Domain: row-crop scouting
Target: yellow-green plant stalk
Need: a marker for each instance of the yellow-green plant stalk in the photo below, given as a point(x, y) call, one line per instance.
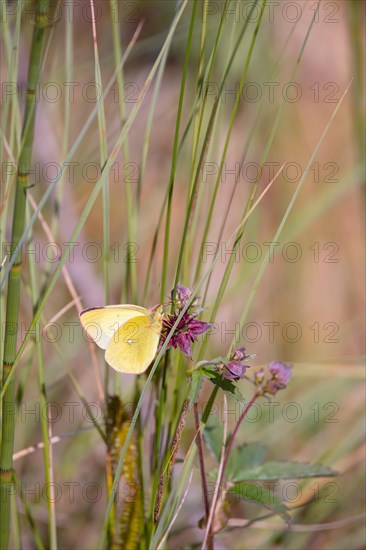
point(13, 295)
point(165, 476)
point(126, 523)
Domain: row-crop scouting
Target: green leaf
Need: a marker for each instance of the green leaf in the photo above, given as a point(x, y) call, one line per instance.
point(213, 435)
point(223, 383)
point(257, 494)
point(280, 470)
point(196, 383)
point(244, 458)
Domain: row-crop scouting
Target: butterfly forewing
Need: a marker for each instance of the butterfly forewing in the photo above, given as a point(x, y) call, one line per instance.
point(101, 323)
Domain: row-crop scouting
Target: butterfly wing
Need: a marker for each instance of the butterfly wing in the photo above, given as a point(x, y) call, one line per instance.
point(101, 323)
point(133, 346)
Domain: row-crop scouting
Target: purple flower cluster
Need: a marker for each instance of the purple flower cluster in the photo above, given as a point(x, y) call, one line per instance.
point(277, 378)
point(189, 328)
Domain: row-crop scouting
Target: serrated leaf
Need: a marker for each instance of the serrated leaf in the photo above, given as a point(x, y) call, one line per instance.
point(281, 470)
point(257, 494)
point(244, 458)
point(213, 435)
point(223, 383)
point(196, 383)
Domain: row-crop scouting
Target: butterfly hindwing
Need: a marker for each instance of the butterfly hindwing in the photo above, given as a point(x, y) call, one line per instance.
point(133, 347)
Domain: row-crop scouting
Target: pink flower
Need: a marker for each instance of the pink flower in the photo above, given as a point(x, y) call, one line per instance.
point(281, 373)
point(277, 377)
point(183, 293)
point(235, 368)
point(188, 329)
point(185, 333)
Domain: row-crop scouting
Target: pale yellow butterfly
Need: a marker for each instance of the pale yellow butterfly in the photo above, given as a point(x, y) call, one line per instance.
point(130, 335)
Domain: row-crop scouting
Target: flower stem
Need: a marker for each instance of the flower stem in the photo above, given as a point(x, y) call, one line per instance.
point(202, 463)
point(203, 472)
point(232, 437)
point(209, 535)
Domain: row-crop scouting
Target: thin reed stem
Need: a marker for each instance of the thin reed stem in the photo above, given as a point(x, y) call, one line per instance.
point(175, 153)
point(44, 418)
point(129, 288)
